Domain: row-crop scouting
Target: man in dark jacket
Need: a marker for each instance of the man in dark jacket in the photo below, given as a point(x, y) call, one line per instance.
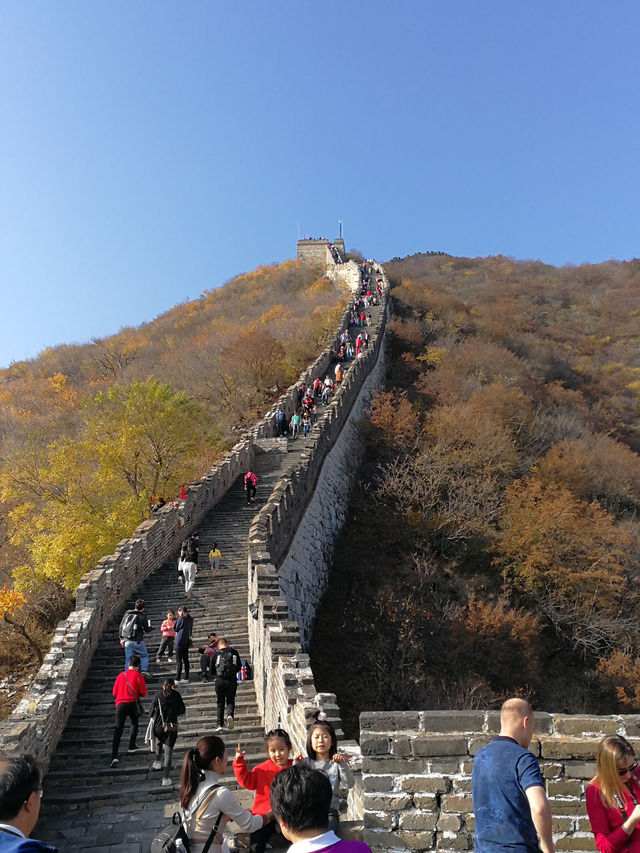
point(133, 627)
point(226, 664)
point(20, 798)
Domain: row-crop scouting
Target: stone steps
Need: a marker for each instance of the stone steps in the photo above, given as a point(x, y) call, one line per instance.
point(89, 806)
point(128, 802)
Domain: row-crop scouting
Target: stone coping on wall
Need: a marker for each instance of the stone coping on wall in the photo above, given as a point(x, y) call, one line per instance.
point(417, 774)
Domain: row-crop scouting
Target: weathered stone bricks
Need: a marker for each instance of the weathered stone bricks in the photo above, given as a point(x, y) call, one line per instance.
point(450, 823)
point(383, 721)
point(380, 783)
point(416, 840)
point(568, 748)
point(437, 745)
point(382, 765)
point(418, 821)
point(452, 721)
point(387, 802)
point(457, 805)
point(378, 820)
point(428, 802)
point(579, 726)
point(425, 784)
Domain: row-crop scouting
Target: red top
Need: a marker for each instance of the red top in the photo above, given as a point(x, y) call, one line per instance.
point(606, 822)
point(183, 494)
point(122, 692)
point(259, 780)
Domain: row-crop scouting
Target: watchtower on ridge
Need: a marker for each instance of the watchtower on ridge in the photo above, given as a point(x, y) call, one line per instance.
point(320, 251)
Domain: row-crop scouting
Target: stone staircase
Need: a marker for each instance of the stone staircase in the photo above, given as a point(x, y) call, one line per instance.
point(86, 804)
point(89, 806)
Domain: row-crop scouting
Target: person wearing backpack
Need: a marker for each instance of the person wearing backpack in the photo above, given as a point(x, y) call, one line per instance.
point(189, 562)
point(207, 805)
point(167, 707)
point(226, 664)
point(133, 627)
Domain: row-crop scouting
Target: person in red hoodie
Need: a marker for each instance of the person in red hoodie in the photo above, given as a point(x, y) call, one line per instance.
point(128, 688)
point(259, 780)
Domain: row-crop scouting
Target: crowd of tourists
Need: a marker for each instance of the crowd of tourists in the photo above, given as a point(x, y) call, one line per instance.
point(353, 342)
point(295, 795)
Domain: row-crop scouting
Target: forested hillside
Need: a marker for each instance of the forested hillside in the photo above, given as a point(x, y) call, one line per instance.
point(494, 542)
point(91, 433)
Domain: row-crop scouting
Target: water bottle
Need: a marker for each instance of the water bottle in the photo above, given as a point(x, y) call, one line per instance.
point(179, 845)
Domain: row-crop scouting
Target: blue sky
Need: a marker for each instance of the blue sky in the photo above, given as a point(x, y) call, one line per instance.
point(152, 150)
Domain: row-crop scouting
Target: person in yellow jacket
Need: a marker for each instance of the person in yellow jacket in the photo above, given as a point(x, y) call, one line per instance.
point(214, 559)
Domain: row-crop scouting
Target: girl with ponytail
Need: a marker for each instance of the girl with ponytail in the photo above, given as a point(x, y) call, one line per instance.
point(205, 803)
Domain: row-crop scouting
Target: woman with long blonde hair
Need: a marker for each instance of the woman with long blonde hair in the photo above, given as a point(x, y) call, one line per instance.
point(613, 797)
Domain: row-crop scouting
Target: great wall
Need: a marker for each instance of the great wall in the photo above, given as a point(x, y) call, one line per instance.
point(413, 768)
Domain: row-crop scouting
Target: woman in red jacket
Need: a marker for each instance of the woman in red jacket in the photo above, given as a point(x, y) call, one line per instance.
point(260, 778)
point(613, 798)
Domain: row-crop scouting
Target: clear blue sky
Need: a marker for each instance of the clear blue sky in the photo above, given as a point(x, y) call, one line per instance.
point(153, 150)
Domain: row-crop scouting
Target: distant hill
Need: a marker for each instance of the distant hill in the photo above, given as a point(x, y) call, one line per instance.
point(497, 548)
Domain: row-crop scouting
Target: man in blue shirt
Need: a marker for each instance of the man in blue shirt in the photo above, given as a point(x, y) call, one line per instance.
point(20, 797)
point(509, 800)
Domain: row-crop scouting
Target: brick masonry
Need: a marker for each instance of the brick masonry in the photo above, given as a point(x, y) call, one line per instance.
point(417, 774)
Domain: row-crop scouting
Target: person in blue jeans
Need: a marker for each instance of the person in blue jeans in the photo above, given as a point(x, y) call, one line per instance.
point(133, 627)
point(20, 800)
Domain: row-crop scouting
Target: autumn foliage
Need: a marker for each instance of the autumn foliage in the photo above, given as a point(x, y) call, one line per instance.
point(503, 456)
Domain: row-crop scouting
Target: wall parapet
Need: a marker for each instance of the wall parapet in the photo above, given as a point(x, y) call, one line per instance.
point(417, 774)
point(285, 687)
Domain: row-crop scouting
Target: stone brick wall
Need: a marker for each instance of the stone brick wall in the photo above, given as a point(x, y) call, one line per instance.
point(347, 274)
point(417, 774)
point(314, 252)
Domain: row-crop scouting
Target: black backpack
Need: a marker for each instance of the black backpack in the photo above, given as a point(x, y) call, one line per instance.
point(226, 665)
point(165, 840)
point(129, 625)
point(190, 549)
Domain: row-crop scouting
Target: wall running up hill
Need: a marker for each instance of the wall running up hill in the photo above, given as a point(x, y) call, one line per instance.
point(39, 719)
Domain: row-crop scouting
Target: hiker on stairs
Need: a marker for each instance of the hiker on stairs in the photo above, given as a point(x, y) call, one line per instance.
point(167, 707)
point(226, 664)
point(183, 629)
point(129, 686)
point(189, 562)
point(133, 627)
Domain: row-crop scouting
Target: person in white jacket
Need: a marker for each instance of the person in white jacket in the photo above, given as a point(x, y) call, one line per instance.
point(204, 800)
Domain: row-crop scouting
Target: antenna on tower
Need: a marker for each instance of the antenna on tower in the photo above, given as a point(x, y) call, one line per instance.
point(340, 225)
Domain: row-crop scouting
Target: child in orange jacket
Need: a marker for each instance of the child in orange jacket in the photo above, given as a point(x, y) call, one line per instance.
point(260, 778)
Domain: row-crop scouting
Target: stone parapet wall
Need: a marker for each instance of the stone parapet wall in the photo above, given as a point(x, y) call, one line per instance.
point(347, 274)
point(305, 512)
point(417, 774)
